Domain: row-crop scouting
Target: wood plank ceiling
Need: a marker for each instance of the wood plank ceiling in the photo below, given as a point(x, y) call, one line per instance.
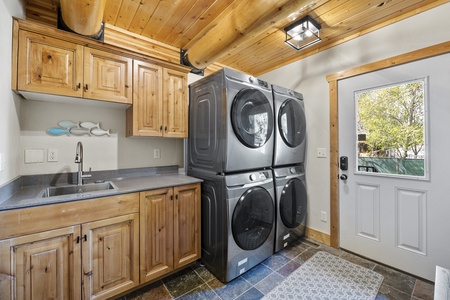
point(259, 46)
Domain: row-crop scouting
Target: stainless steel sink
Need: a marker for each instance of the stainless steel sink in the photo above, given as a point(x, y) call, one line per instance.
point(76, 189)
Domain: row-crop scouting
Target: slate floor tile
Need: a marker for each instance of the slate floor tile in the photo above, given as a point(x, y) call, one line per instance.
point(182, 282)
point(269, 283)
point(251, 294)
point(396, 279)
point(358, 260)
point(203, 292)
point(423, 290)
point(256, 274)
point(276, 261)
point(232, 289)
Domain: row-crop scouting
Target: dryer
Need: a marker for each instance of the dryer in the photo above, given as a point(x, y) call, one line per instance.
point(290, 127)
point(230, 123)
point(238, 221)
point(291, 201)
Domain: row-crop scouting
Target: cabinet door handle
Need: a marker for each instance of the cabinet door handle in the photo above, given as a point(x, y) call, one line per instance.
point(165, 129)
point(160, 128)
point(88, 273)
point(171, 197)
point(78, 86)
point(176, 197)
point(86, 87)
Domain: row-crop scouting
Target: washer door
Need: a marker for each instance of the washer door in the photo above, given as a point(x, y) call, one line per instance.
point(293, 203)
point(292, 122)
point(252, 118)
point(253, 218)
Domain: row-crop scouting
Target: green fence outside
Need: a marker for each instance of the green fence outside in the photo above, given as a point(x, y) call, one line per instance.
point(412, 167)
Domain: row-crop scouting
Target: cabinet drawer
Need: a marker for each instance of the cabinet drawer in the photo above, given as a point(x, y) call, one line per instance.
point(41, 218)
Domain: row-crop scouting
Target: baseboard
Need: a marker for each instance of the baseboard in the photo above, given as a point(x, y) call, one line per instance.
point(318, 236)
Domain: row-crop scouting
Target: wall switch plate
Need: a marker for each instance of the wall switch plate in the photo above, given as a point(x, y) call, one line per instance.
point(156, 153)
point(323, 216)
point(321, 152)
point(52, 154)
point(34, 156)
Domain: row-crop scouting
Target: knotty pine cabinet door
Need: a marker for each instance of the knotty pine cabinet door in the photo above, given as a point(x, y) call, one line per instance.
point(156, 233)
point(145, 117)
point(107, 76)
point(48, 65)
point(169, 230)
point(187, 244)
point(175, 104)
point(41, 266)
point(110, 256)
point(160, 103)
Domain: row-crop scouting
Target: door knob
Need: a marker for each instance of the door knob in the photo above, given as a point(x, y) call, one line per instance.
point(343, 177)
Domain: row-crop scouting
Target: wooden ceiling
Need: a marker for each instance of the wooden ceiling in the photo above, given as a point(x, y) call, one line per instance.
point(259, 45)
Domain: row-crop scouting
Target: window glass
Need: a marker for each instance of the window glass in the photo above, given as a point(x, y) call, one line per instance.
point(391, 135)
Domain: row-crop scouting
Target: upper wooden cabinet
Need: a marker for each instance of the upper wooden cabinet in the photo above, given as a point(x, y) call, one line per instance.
point(107, 76)
point(160, 102)
point(48, 65)
point(58, 67)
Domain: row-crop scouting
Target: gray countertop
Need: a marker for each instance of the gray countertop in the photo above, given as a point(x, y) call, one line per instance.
point(29, 196)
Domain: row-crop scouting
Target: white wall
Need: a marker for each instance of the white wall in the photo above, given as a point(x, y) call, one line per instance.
point(308, 76)
point(9, 102)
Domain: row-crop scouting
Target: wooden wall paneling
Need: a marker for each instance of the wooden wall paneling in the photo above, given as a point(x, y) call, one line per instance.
point(142, 16)
point(111, 11)
point(126, 13)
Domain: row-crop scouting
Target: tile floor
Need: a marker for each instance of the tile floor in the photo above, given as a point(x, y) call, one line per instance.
point(197, 282)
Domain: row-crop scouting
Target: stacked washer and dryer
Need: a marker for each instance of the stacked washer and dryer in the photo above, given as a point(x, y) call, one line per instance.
point(231, 145)
point(288, 166)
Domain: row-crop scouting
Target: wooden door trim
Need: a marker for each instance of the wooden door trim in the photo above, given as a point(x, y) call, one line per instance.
point(333, 79)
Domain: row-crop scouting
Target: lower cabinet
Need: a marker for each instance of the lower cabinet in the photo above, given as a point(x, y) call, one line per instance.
point(51, 265)
point(169, 230)
point(101, 247)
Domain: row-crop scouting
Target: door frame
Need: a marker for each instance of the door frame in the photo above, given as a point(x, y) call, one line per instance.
point(333, 79)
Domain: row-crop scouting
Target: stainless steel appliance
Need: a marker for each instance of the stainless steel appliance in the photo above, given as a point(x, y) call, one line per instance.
point(230, 123)
point(238, 220)
point(291, 202)
point(290, 127)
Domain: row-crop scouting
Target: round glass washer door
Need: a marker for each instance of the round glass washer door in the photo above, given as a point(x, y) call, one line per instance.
point(293, 203)
point(292, 122)
point(253, 218)
point(252, 118)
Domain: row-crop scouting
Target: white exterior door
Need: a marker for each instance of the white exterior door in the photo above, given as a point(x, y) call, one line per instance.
point(396, 219)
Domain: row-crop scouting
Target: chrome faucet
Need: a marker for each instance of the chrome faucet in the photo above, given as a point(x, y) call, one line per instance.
point(79, 161)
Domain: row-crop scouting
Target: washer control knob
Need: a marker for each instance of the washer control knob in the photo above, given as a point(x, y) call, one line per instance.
point(292, 170)
point(252, 177)
point(250, 79)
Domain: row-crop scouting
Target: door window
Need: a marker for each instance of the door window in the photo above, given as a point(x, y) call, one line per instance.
point(293, 203)
point(391, 130)
point(253, 218)
point(252, 118)
point(292, 123)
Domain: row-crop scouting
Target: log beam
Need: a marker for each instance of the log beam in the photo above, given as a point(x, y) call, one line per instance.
point(245, 21)
point(83, 16)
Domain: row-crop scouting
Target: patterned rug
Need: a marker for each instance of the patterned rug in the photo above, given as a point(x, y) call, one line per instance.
point(325, 276)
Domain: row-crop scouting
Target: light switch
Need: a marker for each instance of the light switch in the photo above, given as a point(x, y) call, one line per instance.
point(34, 156)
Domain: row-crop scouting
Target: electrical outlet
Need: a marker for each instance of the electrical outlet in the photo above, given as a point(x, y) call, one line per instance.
point(156, 153)
point(321, 152)
point(323, 216)
point(52, 154)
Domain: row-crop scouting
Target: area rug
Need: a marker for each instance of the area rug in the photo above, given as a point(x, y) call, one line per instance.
point(325, 276)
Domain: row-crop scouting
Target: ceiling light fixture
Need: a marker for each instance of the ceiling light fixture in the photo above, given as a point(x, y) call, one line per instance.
point(303, 33)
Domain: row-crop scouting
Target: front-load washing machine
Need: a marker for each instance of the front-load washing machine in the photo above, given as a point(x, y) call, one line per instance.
point(290, 193)
point(230, 123)
point(238, 221)
point(290, 127)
